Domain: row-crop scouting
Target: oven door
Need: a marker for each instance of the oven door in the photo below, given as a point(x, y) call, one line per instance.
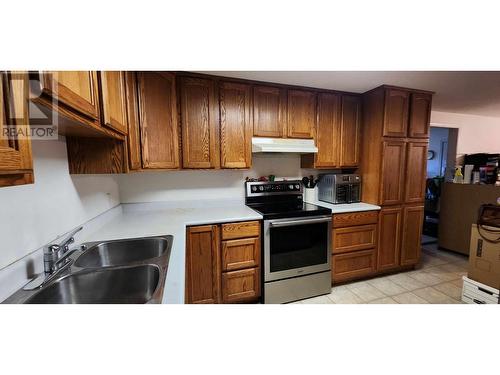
point(296, 247)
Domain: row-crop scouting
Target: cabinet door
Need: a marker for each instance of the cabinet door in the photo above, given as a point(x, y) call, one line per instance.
point(328, 131)
point(301, 118)
point(413, 220)
point(203, 265)
point(389, 243)
point(348, 239)
point(416, 172)
point(240, 254)
point(241, 286)
point(420, 115)
point(114, 110)
point(134, 138)
point(200, 129)
point(396, 113)
point(235, 125)
point(269, 116)
point(350, 131)
point(16, 164)
point(158, 120)
point(353, 265)
point(392, 172)
point(77, 89)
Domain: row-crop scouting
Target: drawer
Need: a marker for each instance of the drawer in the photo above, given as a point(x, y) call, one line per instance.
point(240, 254)
point(240, 286)
point(240, 230)
point(353, 265)
point(355, 218)
point(349, 239)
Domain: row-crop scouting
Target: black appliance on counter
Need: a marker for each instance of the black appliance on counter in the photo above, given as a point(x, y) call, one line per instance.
point(296, 241)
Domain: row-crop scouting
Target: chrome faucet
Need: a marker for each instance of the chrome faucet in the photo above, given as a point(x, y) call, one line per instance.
point(55, 258)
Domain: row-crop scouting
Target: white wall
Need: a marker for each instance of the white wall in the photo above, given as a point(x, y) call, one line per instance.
point(195, 185)
point(33, 215)
point(475, 133)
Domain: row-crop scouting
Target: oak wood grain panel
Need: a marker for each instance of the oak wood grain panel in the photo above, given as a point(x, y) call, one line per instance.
point(389, 243)
point(328, 131)
point(413, 219)
point(200, 123)
point(355, 218)
point(240, 254)
point(158, 120)
point(420, 115)
point(134, 137)
point(76, 89)
point(301, 114)
point(350, 131)
point(241, 286)
point(392, 172)
point(396, 113)
point(203, 271)
point(95, 155)
point(240, 230)
point(235, 125)
point(416, 172)
point(353, 265)
point(113, 100)
point(269, 111)
point(348, 239)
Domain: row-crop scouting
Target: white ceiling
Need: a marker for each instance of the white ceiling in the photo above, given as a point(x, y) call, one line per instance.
point(475, 93)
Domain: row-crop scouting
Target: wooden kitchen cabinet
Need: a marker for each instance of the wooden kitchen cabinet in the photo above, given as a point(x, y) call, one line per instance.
point(301, 114)
point(235, 125)
point(269, 111)
point(389, 243)
point(241, 286)
point(393, 172)
point(158, 120)
point(353, 265)
point(240, 254)
point(420, 115)
point(134, 131)
point(413, 218)
point(203, 271)
point(350, 132)
point(416, 172)
point(354, 238)
point(396, 113)
point(16, 162)
point(200, 123)
point(113, 100)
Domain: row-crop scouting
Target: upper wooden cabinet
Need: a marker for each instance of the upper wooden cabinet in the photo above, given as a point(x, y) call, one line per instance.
point(396, 113)
point(158, 120)
point(269, 111)
point(235, 125)
point(301, 114)
point(392, 173)
point(420, 115)
point(76, 89)
point(16, 163)
point(200, 123)
point(416, 172)
point(350, 131)
point(134, 136)
point(113, 100)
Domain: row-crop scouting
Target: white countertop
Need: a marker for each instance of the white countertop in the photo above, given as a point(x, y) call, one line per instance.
point(171, 218)
point(349, 207)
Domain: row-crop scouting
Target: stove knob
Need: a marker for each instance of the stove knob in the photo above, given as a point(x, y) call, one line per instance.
point(290, 187)
point(261, 188)
point(254, 188)
point(297, 187)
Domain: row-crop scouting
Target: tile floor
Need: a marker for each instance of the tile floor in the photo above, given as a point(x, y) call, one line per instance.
point(437, 279)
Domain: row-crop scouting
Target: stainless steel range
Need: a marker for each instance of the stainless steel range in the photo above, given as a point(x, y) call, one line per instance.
point(296, 241)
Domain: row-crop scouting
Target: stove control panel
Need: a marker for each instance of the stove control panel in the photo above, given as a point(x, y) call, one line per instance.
point(273, 188)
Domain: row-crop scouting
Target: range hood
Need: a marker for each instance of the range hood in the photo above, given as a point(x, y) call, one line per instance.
point(289, 145)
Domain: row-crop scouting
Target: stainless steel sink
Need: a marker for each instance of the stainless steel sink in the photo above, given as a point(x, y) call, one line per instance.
point(122, 252)
point(135, 284)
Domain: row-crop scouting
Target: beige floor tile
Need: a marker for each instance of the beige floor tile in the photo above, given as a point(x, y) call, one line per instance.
point(459, 283)
point(405, 281)
point(425, 278)
point(450, 290)
point(443, 274)
point(386, 286)
point(384, 301)
point(432, 295)
point(431, 261)
point(344, 295)
point(454, 267)
point(365, 291)
point(409, 298)
point(317, 300)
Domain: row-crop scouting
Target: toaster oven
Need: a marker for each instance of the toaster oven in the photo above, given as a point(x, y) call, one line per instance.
point(339, 188)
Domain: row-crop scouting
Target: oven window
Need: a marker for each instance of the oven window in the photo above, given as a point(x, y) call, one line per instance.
point(298, 246)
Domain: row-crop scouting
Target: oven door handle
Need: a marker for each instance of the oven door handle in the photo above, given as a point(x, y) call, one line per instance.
point(299, 222)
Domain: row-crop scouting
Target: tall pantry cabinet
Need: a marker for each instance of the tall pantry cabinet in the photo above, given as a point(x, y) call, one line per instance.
point(393, 166)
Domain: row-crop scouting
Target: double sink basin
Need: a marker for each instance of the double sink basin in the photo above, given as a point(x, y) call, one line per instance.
point(119, 271)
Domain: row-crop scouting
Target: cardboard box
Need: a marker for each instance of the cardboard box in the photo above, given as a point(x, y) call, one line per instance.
point(484, 258)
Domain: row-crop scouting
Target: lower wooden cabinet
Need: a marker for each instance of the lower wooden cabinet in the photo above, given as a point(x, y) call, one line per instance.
point(413, 218)
point(389, 244)
point(223, 263)
point(354, 238)
point(353, 265)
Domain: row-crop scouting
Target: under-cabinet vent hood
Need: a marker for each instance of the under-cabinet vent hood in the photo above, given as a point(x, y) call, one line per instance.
point(290, 145)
